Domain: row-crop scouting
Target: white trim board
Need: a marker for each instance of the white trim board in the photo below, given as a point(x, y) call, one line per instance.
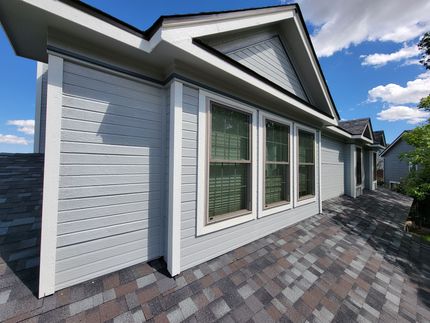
point(175, 180)
point(51, 177)
point(40, 69)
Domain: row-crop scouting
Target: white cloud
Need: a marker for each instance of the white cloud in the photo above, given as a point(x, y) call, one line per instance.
point(25, 126)
point(14, 140)
point(396, 94)
point(404, 113)
point(340, 24)
point(378, 59)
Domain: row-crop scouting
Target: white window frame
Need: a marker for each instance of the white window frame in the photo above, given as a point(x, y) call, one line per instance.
point(355, 167)
point(374, 163)
point(263, 116)
point(205, 98)
point(297, 201)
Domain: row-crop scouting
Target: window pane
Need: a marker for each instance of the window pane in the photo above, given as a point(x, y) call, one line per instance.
point(230, 134)
point(277, 183)
point(306, 180)
point(306, 147)
point(276, 141)
point(358, 166)
point(228, 188)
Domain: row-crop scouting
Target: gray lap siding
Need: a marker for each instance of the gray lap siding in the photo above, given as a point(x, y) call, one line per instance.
point(111, 174)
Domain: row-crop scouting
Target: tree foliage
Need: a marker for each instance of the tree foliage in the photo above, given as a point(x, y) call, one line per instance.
point(424, 47)
point(417, 184)
point(425, 103)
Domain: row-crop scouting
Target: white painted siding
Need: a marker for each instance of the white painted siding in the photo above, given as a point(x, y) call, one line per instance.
point(112, 174)
point(269, 59)
point(197, 249)
point(333, 168)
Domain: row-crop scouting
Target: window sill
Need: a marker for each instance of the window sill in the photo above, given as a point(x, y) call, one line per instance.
point(305, 200)
point(224, 224)
point(274, 208)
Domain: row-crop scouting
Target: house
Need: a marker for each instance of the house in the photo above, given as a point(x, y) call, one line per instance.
point(363, 156)
point(184, 141)
point(379, 139)
point(396, 169)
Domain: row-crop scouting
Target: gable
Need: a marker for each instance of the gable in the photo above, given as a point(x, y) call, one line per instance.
point(269, 58)
point(366, 133)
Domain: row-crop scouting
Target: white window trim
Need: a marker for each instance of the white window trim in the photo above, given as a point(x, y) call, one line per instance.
point(205, 97)
point(313, 199)
point(262, 212)
point(374, 168)
point(355, 166)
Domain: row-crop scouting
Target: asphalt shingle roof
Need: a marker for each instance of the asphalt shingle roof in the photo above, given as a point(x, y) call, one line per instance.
point(354, 127)
point(378, 137)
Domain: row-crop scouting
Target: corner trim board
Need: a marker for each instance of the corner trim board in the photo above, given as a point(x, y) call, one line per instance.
point(51, 177)
point(175, 182)
point(319, 172)
point(39, 82)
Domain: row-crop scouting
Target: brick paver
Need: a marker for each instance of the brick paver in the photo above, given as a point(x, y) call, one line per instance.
point(351, 263)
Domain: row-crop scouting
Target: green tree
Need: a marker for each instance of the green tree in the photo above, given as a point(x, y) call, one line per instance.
point(424, 47)
point(417, 184)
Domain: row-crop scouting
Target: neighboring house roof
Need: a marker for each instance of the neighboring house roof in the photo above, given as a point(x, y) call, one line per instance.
point(379, 138)
point(395, 142)
point(358, 127)
point(167, 42)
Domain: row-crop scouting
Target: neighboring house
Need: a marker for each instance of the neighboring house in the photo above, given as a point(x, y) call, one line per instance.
point(379, 139)
point(187, 140)
point(363, 156)
point(396, 169)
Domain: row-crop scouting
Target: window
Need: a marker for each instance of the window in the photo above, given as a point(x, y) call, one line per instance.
point(229, 163)
point(358, 178)
point(306, 164)
point(374, 166)
point(277, 165)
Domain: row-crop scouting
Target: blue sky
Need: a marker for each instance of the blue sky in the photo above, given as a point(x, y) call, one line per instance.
point(366, 49)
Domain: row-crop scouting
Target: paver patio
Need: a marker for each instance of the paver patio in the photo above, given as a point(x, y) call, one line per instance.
point(351, 263)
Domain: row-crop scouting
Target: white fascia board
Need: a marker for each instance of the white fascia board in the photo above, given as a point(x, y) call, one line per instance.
point(100, 26)
point(363, 138)
point(338, 131)
point(187, 30)
point(219, 63)
point(370, 131)
point(51, 177)
point(175, 182)
point(314, 63)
